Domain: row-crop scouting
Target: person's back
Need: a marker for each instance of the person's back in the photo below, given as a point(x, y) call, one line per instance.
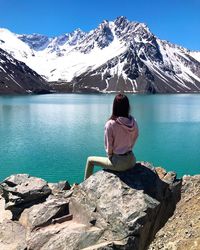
point(121, 132)
point(124, 132)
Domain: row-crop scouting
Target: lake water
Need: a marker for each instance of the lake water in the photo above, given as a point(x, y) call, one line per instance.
point(51, 136)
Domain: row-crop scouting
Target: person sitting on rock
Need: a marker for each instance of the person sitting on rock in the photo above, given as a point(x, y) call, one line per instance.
point(121, 133)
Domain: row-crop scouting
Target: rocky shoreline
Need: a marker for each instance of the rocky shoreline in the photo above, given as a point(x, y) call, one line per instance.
point(139, 209)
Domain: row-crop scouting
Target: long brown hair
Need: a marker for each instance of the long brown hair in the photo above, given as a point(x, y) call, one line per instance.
point(121, 107)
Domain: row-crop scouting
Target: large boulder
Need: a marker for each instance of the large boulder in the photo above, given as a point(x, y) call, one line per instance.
point(129, 207)
point(21, 191)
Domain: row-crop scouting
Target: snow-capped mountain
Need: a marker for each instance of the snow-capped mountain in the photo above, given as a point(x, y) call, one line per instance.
point(39, 42)
point(17, 78)
point(196, 55)
point(117, 55)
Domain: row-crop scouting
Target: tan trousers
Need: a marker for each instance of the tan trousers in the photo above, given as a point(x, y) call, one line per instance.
point(117, 163)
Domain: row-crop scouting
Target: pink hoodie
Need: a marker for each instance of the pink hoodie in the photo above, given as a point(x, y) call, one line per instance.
point(120, 135)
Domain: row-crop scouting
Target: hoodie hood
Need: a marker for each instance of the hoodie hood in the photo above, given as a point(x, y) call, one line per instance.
point(126, 122)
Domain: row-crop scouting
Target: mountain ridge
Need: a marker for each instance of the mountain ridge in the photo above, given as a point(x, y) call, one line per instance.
point(118, 55)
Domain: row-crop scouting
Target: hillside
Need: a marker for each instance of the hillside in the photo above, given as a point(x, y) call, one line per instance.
point(17, 78)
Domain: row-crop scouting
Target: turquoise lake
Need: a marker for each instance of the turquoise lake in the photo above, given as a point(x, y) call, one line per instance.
point(51, 136)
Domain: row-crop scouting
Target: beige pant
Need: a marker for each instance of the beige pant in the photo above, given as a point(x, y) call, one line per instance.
point(117, 163)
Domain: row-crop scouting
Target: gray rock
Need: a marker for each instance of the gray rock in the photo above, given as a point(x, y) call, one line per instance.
point(21, 191)
point(4, 214)
point(69, 236)
point(43, 214)
point(59, 187)
point(129, 206)
point(12, 236)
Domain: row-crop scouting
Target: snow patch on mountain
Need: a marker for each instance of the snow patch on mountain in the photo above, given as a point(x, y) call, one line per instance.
point(195, 55)
point(14, 46)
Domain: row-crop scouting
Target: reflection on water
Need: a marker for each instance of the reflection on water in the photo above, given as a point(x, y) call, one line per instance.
point(168, 108)
point(51, 136)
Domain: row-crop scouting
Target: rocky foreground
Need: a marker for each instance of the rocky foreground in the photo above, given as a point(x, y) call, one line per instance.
point(110, 210)
point(182, 231)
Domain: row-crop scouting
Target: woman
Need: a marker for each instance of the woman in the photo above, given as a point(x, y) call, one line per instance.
point(121, 132)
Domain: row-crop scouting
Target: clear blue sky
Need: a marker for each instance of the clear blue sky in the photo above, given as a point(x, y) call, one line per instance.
point(175, 20)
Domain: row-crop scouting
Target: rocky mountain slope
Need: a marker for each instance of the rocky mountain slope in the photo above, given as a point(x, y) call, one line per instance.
point(117, 55)
point(17, 78)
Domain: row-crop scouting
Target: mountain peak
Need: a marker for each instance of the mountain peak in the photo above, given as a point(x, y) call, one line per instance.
point(78, 31)
point(35, 41)
point(121, 19)
point(105, 21)
point(103, 25)
point(4, 30)
point(121, 22)
point(77, 34)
